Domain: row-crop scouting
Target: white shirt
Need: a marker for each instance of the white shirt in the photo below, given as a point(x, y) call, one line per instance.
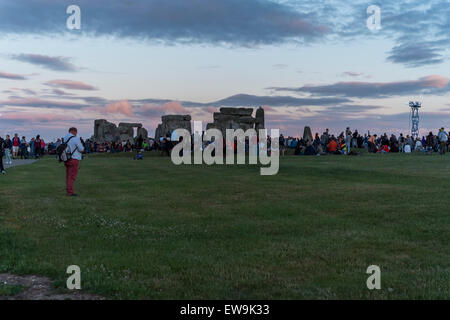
point(75, 146)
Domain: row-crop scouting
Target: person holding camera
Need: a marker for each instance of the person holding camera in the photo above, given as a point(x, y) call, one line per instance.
point(76, 147)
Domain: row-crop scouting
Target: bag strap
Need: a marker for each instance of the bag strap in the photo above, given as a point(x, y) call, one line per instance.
point(71, 154)
point(66, 142)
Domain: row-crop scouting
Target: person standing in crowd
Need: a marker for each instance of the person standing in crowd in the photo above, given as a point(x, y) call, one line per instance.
point(7, 145)
point(32, 148)
point(37, 147)
point(429, 142)
point(401, 141)
point(325, 139)
point(2, 169)
point(15, 146)
point(42, 147)
point(355, 139)
point(281, 143)
point(23, 149)
point(348, 139)
point(76, 148)
point(443, 140)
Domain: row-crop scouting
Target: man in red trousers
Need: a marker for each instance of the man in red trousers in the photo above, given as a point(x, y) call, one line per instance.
point(76, 148)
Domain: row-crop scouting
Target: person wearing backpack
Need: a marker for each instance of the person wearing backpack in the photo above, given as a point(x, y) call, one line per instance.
point(75, 148)
point(443, 140)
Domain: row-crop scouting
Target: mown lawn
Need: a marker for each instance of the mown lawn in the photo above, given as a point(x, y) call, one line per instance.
point(151, 230)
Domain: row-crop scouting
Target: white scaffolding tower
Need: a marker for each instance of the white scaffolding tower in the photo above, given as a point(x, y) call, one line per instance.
point(415, 106)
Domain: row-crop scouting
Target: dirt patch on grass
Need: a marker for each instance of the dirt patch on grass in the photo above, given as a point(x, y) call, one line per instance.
point(37, 288)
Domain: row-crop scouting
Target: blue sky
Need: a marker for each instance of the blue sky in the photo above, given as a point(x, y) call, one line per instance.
point(308, 63)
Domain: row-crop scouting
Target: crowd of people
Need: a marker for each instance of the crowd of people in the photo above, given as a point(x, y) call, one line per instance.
point(20, 148)
point(348, 142)
point(351, 142)
point(119, 146)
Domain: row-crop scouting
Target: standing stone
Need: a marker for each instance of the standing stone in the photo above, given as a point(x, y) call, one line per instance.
point(105, 131)
point(236, 118)
point(307, 135)
point(171, 123)
point(260, 119)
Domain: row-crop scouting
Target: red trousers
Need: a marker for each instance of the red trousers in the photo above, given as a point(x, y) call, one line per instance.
point(71, 174)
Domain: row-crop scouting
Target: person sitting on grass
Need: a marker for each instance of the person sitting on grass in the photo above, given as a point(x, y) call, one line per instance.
point(309, 151)
point(418, 147)
point(371, 144)
point(332, 146)
point(384, 149)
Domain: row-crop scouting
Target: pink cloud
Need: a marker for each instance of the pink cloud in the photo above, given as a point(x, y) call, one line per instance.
point(435, 81)
point(173, 107)
point(11, 76)
point(121, 107)
point(69, 84)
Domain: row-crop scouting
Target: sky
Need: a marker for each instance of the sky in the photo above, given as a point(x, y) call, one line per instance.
point(308, 63)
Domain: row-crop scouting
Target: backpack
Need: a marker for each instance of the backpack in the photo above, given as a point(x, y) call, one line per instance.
point(63, 151)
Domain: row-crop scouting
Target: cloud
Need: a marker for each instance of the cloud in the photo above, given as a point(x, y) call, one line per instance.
point(246, 100)
point(419, 29)
point(236, 22)
point(47, 62)
point(246, 23)
point(280, 66)
point(433, 84)
point(352, 74)
point(69, 84)
point(415, 55)
point(60, 92)
point(33, 117)
point(40, 103)
point(156, 110)
point(25, 91)
point(11, 76)
point(121, 107)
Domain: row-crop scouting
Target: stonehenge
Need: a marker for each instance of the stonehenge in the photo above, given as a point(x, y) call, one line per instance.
point(172, 122)
point(237, 118)
point(105, 131)
point(227, 118)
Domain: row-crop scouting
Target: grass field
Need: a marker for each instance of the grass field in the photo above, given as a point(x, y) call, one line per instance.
point(151, 230)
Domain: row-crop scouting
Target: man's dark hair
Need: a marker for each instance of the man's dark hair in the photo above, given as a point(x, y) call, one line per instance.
point(73, 129)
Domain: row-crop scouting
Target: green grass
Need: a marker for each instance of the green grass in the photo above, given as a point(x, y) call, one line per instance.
point(151, 230)
point(7, 290)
